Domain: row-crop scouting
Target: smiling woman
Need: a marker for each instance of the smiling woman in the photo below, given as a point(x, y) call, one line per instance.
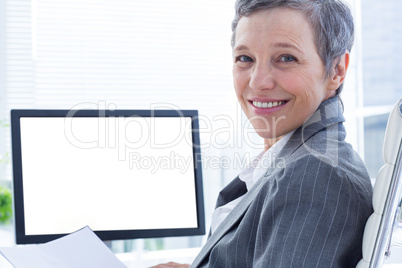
point(309, 205)
point(278, 74)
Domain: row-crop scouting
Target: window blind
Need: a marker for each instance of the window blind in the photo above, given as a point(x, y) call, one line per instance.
point(127, 53)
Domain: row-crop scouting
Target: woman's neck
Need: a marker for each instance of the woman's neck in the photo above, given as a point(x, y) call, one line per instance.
point(269, 142)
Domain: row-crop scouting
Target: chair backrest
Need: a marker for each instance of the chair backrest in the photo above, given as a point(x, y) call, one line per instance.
point(386, 196)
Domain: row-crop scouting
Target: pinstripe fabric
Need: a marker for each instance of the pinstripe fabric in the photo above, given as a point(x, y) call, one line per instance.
point(308, 210)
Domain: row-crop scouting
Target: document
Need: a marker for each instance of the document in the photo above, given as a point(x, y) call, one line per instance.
point(81, 249)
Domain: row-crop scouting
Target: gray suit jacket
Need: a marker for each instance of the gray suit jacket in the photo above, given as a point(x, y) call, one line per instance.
point(308, 210)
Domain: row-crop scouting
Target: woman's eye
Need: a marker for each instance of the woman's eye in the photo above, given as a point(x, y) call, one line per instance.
point(287, 58)
point(244, 58)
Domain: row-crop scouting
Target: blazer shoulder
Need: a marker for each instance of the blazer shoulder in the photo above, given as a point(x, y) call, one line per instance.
point(311, 173)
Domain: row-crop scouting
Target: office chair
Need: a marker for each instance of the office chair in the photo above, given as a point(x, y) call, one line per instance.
point(386, 196)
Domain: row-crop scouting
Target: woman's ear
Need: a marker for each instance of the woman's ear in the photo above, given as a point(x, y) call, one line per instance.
point(339, 72)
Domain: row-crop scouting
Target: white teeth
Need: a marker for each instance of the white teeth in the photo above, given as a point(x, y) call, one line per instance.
point(267, 104)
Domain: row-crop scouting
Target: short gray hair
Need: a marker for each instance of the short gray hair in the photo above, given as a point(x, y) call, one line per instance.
point(331, 21)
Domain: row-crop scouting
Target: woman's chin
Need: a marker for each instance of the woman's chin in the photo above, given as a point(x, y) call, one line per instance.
point(267, 135)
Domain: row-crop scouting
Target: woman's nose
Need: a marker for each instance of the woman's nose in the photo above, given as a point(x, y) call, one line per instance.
point(262, 77)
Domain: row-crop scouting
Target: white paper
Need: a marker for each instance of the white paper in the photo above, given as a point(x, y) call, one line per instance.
point(81, 249)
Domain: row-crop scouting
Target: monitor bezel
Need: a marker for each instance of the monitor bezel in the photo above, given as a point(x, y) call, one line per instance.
point(106, 235)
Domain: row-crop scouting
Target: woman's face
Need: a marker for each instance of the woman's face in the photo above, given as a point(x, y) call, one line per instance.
point(278, 75)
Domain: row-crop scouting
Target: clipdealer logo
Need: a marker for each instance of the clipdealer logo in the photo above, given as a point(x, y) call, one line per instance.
point(125, 133)
point(130, 136)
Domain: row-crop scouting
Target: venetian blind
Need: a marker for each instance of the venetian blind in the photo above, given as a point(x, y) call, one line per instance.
point(125, 53)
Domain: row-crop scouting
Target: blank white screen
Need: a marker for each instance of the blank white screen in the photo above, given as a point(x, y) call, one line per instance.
point(111, 173)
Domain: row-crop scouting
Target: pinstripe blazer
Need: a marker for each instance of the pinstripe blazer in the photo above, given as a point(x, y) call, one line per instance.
point(308, 210)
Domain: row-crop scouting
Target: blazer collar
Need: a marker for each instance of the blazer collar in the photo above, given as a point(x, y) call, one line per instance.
point(328, 113)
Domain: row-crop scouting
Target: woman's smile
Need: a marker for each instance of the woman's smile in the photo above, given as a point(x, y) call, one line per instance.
point(261, 106)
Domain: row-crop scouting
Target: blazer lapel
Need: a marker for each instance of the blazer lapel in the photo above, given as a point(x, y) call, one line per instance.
point(236, 214)
point(232, 191)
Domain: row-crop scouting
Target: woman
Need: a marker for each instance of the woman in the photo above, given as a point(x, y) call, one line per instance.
point(309, 205)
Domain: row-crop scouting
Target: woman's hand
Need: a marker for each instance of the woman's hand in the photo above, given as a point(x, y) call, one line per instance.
point(171, 265)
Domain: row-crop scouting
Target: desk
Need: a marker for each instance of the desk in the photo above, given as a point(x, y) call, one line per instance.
point(150, 258)
point(143, 259)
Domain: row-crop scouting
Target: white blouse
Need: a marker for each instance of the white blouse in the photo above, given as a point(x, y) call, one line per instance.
point(250, 175)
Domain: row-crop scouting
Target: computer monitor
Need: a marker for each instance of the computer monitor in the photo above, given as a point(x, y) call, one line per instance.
point(125, 173)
